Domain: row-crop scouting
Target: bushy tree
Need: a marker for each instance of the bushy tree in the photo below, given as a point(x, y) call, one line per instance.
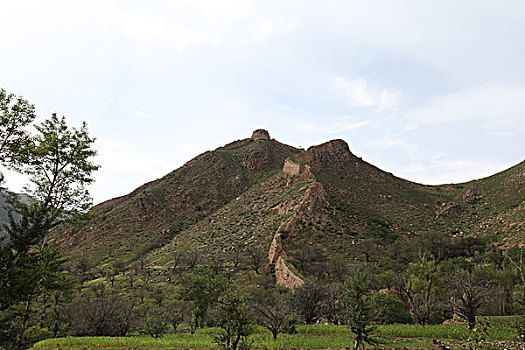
point(103, 316)
point(308, 300)
point(57, 159)
point(273, 310)
point(256, 258)
point(155, 322)
point(469, 289)
point(233, 318)
point(175, 313)
point(332, 305)
point(390, 309)
point(16, 115)
point(359, 313)
point(202, 288)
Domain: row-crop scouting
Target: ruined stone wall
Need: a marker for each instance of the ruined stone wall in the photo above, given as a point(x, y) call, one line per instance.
point(285, 277)
point(260, 134)
point(300, 171)
point(303, 209)
point(292, 168)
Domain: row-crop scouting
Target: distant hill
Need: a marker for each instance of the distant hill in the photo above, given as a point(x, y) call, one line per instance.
point(3, 211)
point(4, 217)
point(258, 192)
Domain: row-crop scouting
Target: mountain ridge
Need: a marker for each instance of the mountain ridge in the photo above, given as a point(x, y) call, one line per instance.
point(260, 193)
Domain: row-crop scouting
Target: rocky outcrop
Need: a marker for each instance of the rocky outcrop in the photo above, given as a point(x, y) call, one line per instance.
point(448, 210)
point(472, 196)
point(335, 151)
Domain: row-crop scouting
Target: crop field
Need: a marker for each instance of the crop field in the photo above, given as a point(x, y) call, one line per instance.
point(497, 335)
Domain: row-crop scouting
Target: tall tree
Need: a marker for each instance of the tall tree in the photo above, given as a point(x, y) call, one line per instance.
point(234, 321)
point(308, 300)
point(58, 161)
point(358, 311)
point(273, 310)
point(202, 288)
point(469, 289)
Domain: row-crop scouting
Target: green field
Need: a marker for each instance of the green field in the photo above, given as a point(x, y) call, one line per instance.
point(312, 337)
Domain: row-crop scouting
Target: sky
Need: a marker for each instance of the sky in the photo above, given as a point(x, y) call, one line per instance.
point(432, 91)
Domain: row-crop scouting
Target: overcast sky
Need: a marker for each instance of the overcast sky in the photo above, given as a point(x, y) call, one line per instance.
point(432, 91)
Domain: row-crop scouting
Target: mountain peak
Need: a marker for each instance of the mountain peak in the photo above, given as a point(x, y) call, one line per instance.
point(325, 153)
point(260, 134)
point(333, 147)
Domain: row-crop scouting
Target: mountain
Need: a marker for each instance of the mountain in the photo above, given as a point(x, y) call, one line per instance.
point(4, 195)
point(156, 212)
point(260, 193)
point(4, 213)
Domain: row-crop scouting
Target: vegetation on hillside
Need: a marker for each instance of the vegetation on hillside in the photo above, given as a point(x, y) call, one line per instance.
point(234, 240)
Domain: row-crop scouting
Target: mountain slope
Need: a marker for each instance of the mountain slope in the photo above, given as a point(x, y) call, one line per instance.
point(156, 212)
point(259, 193)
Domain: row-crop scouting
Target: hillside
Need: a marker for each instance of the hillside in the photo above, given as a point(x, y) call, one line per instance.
point(262, 194)
point(156, 212)
point(4, 214)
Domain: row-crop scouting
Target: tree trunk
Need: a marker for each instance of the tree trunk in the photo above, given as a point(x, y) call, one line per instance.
point(357, 343)
point(24, 325)
point(471, 321)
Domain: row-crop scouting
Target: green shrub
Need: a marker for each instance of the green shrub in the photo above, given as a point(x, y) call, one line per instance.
point(390, 309)
point(155, 323)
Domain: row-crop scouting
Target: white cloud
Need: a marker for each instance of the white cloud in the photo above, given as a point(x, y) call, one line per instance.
point(501, 107)
point(116, 156)
point(443, 171)
point(392, 141)
point(346, 123)
point(185, 24)
point(63, 84)
point(224, 10)
point(190, 149)
point(361, 95)
point(386, 142)
point(233, 105)
point(264, 28)
point(146, 115)
point(144, 26)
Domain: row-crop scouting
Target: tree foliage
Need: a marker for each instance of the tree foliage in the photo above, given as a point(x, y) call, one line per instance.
point(308, 300)
point(57, 160)
point(274, 311)
point(469, 291)
point(202, 288)
point(358, 312)
point(16, 115)
point(234, 320)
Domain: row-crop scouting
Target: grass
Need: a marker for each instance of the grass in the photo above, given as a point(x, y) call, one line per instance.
point(308, 336)
point(204, 341)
